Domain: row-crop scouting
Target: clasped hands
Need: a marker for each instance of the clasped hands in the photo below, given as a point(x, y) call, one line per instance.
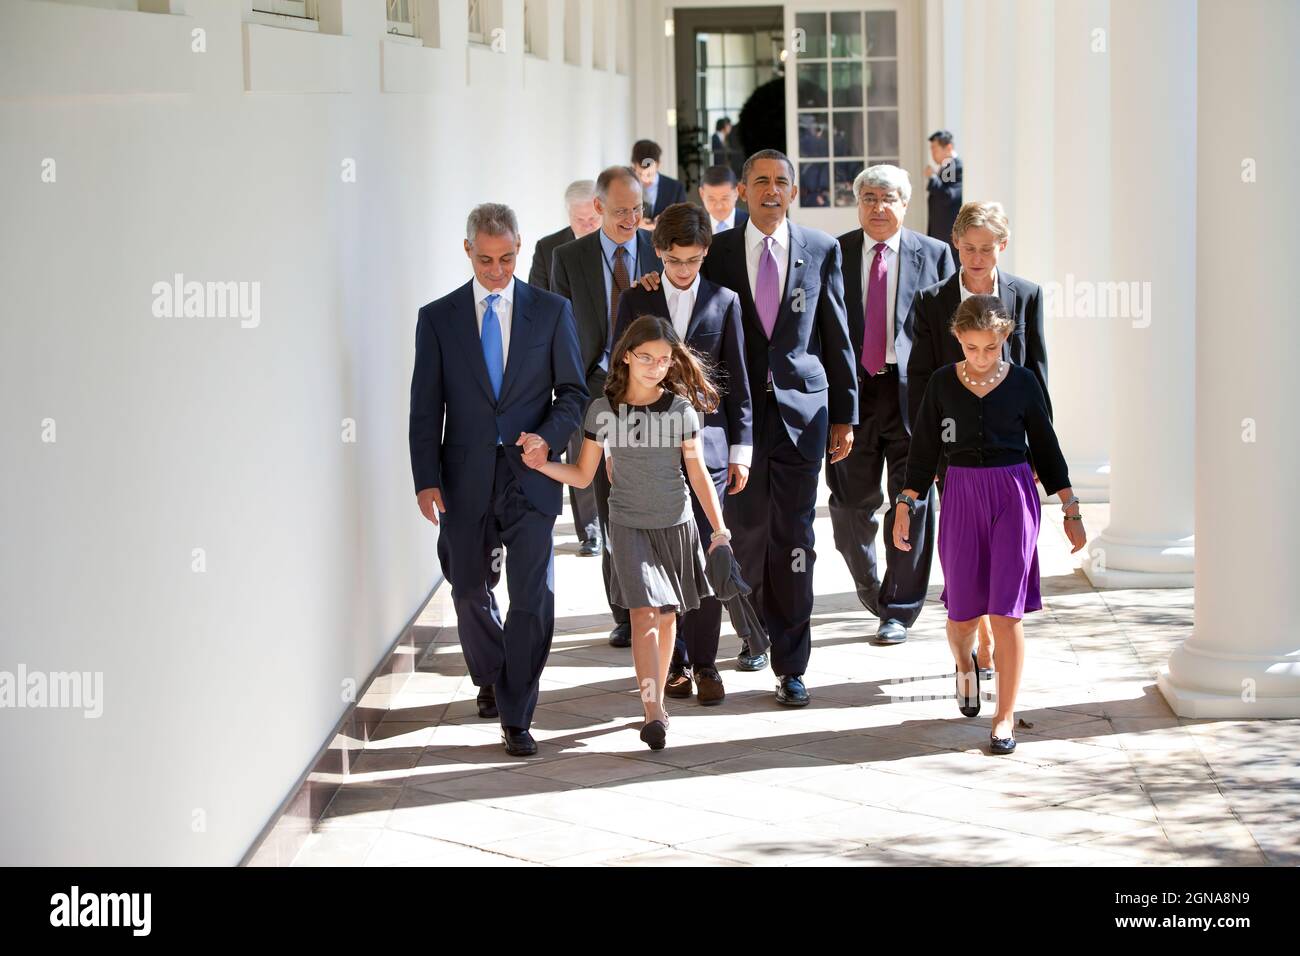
point(536, 449)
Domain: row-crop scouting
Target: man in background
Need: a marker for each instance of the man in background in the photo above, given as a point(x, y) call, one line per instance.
point(719, 194)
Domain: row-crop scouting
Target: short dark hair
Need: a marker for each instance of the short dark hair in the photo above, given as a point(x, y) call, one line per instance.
point(644, 149)
point(725, 121)
point(682, 224)
point(941, 136)
point(719, 176)
point(766, 154)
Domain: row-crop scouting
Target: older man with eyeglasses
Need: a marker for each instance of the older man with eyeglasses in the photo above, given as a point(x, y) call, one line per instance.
point(885, 265)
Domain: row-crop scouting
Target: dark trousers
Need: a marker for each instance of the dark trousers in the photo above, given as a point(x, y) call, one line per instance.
point(698, 631)
point(880, 443)
point(601, 485)
point(582, 501)
point(771, 523)
point(507, 657)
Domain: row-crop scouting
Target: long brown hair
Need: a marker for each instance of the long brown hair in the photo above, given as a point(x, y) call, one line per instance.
point(688, 374)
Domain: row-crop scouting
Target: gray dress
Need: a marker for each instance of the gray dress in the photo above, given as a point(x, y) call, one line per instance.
point(656, 555)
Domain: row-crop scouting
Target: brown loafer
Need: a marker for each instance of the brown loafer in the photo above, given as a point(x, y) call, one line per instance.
point(679, 684)
point(708, 686)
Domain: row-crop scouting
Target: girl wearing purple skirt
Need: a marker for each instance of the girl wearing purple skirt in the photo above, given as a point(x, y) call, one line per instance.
point(987, 417)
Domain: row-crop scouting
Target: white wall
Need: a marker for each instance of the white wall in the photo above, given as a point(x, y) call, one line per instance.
point(183, 433)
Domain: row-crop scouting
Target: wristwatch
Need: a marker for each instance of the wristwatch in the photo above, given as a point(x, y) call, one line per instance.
point(902, 499)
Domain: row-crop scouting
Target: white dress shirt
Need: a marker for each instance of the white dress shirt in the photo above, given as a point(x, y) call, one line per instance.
point(681, 302)
point(966, 293)
point(681, 305)
point(754, 252)
point(503, 308)
point(722, 224)
point(891, 285)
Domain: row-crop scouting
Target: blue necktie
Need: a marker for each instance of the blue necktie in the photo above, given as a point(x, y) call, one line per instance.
point(493, 353)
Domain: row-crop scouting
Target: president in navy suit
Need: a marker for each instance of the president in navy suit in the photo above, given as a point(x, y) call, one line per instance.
point(801, 375)
point(884, 267)
point(707, 318)
point(593, 273)
point(493, 359)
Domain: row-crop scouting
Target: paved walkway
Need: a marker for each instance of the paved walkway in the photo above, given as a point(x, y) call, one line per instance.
point(870, 773)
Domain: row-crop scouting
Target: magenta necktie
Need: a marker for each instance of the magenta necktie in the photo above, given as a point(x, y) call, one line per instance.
point(767, 291)
point(873, 342)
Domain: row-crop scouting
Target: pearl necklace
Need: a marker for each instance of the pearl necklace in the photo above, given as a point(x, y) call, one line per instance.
point(996, 375)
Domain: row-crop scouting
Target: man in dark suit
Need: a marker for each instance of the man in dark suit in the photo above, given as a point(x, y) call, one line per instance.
point(718, 146)
point(580, 203)
point(884, 267)
point(719, 194)
point(659, 191)
point(707, 318)
point(801, 374)
point(593, 273)
point(493, 359)
point(943, 184)
point(982, 233)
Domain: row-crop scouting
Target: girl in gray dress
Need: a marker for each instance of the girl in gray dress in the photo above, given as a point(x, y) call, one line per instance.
point(648, 418)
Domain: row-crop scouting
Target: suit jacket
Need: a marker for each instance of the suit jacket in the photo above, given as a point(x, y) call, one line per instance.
point(670, 191)
point(455, 419)
point(578, 274)
point(934, 345)
point(539, 276)
point(922, 262)
point(810, 354)
point(943, 203)
point(715, 332)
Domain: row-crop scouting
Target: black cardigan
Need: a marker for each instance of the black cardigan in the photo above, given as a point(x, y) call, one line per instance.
point(986, 432)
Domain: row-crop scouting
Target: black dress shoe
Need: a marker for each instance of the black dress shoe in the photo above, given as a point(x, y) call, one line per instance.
point(1001, 745)
point(970, 706)
point(890, 631)
point(791, 691)
point(589, 549)
point(746, 661)
point(679, 683)
point(621, 636)
point(655, 734)
point(487, 701)
point(519, 742)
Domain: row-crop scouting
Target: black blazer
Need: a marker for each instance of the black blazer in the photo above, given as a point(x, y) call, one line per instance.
point(934, 345)
point(539, 276)
point(455, 419)
point(943, 202)
point(578, 274)
point(670, 191)
point(922, 262)
point(810, 354)
point(714, 331)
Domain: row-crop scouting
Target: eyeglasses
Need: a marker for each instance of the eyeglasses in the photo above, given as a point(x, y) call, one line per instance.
point(649, 361)
point(694, 261)
point(634, 212)
point(869, 199)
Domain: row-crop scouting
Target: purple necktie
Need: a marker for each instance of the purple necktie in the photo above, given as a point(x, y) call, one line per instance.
point(767, 291)
point(873, 342)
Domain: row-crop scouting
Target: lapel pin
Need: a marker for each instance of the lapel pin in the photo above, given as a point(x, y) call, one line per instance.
point(798, 263)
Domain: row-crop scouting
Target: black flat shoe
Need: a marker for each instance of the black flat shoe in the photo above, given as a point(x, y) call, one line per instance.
point(487, 702)
point(518, 741)
point(655, 734)
point(969, 706)
point(1001, 745)
point(589, 549)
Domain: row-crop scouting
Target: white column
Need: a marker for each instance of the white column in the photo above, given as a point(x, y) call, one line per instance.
point(1149, 542)
point(1243, 658)
point(1078, 342)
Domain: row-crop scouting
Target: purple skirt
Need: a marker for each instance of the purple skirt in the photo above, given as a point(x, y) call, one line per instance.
point(988, 542)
